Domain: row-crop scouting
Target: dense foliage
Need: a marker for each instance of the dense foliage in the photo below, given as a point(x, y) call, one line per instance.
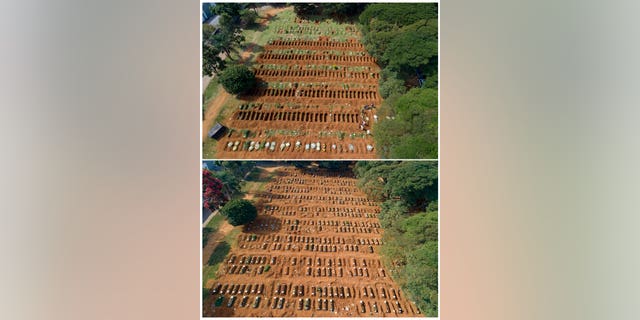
point(211, 60)
point(409, 215)
point(338, 11)
point(390, 28)
point(231, 174)
point(239, 212)
point(226, 36)
point(238, 168)
point(212, 191)
point(409, 127)
point(237, 79)
point(403, 37)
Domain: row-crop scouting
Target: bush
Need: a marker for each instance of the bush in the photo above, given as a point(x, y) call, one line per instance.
point(239, 212)
point(237, 79)
point(392, 86)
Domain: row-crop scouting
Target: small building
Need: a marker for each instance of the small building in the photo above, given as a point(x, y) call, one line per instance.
point(217, 131)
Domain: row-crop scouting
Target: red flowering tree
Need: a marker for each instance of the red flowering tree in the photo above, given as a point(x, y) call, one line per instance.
point(212, 194)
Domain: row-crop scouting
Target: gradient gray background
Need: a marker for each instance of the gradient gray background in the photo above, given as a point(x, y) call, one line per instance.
point(539, 148)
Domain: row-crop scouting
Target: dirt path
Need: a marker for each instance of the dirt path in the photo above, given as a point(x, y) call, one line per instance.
point(216, 105)
point(213, 110)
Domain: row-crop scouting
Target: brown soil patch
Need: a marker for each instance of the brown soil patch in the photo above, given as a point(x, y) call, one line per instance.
point(312, 252)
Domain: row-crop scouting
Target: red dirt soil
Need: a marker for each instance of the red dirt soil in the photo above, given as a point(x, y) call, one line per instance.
point(312, 252)
point(300, 93)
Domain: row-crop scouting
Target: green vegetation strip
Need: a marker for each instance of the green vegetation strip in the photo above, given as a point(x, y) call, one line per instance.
point(409, 216)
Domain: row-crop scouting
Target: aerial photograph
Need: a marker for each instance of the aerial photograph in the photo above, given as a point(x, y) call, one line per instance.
point(320, 238)
point(320, 81)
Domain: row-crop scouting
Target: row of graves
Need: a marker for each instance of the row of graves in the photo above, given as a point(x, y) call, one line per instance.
point(313, 251)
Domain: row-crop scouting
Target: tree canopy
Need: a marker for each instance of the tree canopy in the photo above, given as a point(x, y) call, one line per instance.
point(403, 37)
point(339, 11)
point(411, 131)
point(237, 79)
point(212, 191)
point(399, 14)
point(239, 212)
point(226, 36)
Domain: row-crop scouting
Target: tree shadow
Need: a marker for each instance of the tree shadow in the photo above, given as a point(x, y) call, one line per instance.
point(210, 310)
point(255, 50)
point(263, 225)
point(218, 255)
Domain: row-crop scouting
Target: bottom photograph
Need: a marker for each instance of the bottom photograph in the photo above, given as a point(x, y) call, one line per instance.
point(320, 239)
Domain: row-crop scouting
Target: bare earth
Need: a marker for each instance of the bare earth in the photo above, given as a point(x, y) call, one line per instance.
point(312, 252)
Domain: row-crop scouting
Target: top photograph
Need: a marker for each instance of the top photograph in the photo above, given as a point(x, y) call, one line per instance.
point(319, 81)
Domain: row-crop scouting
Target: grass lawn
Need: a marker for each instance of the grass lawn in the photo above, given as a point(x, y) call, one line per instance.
point(209, 145)
point(217, 257)
point(211, 227)
point(210, 92)
point(209, 148)
point(256, 180)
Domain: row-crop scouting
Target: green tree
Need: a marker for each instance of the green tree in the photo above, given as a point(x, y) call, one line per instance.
point(238, 168)
point(248, 17)
point(400, 14)
point(230, 182)
point(378, 38)
point(416, 183)
point(413, 48)
point(412, 132)
point(211, 61)
point(391, 212)
point(342, 10)
point(373, 181)
point(239, 212)
point(410, 249)
point(227, 8)
point(390, 84)
point(305, 10)
point(237, 79)
point(227, 38)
